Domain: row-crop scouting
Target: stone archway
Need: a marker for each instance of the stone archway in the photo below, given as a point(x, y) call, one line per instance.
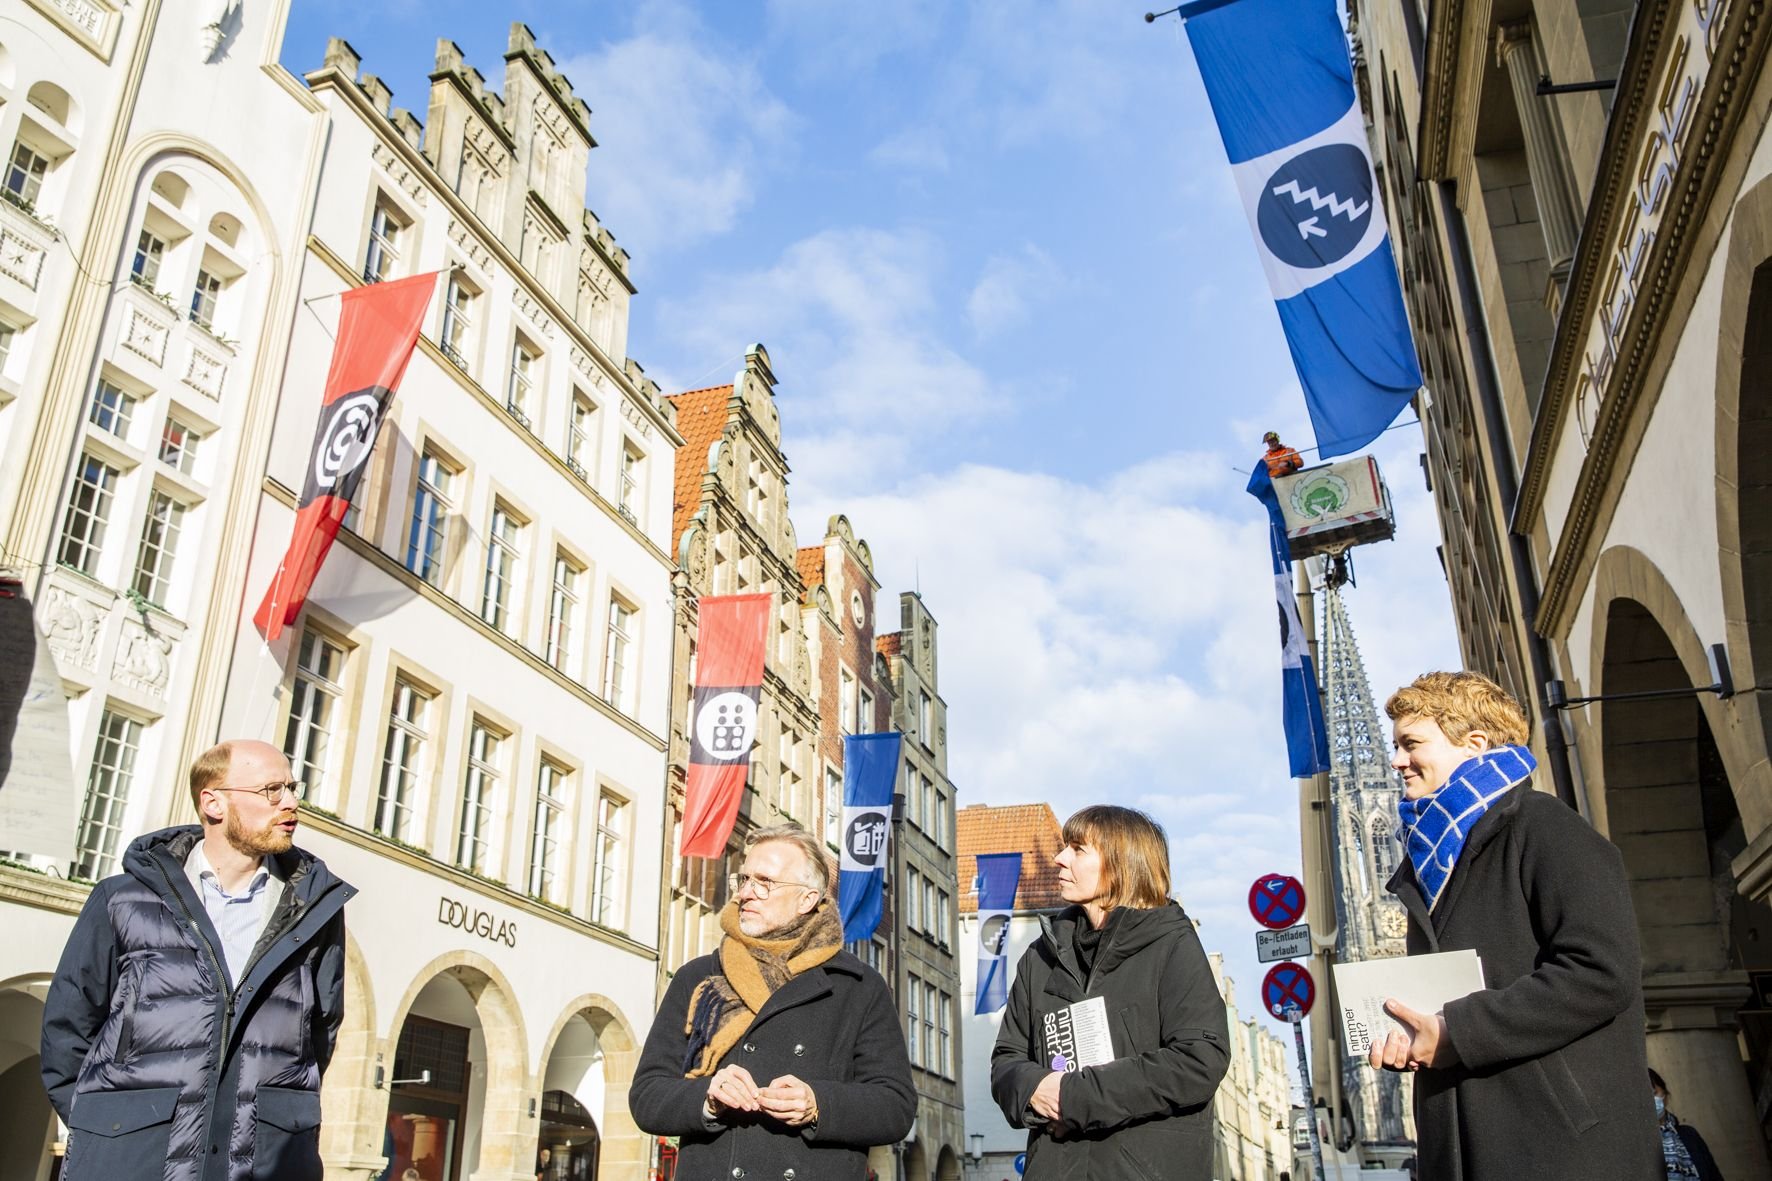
point(459, 1020)
point(1670, 807)
point(26, 1150)
point(947, 1165)
point(590, 1054)
point(353, 1110)
point(916, 1162)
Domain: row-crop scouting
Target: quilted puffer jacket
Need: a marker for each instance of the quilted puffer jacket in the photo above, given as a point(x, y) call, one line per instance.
point(162, 1067)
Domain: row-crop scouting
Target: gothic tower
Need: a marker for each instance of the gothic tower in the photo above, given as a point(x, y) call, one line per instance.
point(1364, 791)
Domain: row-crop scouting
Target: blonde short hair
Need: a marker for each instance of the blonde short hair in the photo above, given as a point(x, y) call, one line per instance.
point(210, 769)
point(820, 872)
point(1462, 702)
point(1134, 854)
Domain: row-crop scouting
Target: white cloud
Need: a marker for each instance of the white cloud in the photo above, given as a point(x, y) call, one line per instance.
point(683, 127)
point(1009, 285)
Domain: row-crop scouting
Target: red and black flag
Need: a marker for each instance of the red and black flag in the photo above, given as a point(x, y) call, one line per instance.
point(377, 329)
point(723, 722)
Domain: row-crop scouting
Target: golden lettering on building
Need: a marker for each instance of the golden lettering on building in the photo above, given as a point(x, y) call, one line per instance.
point(1658, 164)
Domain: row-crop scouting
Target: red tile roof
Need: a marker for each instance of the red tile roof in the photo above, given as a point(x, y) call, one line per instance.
point(1029, 829)
point(701, 417)
point(810, 560)
point(890, 644)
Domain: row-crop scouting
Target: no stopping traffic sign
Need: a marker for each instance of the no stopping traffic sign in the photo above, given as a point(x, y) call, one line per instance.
point(1288, 986)
point(1276, 900)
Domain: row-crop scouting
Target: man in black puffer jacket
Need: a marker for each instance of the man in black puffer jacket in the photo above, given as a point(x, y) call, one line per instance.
point(199, 996)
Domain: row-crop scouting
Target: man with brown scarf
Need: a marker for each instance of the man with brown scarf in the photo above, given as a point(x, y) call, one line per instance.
point(779, 1001)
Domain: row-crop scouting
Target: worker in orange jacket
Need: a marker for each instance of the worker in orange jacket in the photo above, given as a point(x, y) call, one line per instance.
point(1281, 460)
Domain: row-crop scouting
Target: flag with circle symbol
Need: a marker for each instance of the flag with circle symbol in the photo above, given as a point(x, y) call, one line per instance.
point(729, 649)
point(377, 329)
point(999, 875)
point(1280, 82)
point(870, 769)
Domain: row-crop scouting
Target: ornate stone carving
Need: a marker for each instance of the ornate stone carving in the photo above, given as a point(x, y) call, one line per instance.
point(144, 659)
point(71, 625)
point(205, 373)
point(146, 336)
point(550, 117)
point(802, 667)
point(20, 257)
point(485, 144)
point(580, 361)
point(213, 17)
point(636, 419)
point(533, 313)
point(398, 172)
point(698, 559)
point(470, 246)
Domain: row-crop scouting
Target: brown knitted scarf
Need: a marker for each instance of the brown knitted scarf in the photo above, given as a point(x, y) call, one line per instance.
point(723, 1006)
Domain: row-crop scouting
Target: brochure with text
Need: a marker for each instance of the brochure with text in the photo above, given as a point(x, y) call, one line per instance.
point(1426, 983)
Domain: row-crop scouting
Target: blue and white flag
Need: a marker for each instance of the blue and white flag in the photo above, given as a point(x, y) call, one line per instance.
point(1278, 76)
point(999, 874)
point(1307, 742)
point(870, 768)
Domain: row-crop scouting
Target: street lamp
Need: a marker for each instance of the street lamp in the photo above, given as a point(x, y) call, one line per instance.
point(975, 1145)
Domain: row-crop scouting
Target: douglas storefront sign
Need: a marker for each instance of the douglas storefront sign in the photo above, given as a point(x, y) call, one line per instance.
point(475, 921)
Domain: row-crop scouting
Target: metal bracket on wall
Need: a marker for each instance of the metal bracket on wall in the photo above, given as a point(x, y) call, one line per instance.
point(1722, 684)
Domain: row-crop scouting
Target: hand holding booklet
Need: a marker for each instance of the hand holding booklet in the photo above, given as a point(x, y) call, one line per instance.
point(1426, 983)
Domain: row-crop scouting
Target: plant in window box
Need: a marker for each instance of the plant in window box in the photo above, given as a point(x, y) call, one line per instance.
point(19, 201)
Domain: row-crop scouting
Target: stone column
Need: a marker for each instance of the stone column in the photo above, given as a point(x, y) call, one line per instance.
point(1693, 1045)
point(1544, 156)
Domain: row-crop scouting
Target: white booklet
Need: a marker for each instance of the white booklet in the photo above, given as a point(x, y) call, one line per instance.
point(1426, 983)
point(1078, 1035)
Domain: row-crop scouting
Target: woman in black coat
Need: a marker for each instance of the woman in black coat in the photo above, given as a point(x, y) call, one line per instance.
point(1115, 1038)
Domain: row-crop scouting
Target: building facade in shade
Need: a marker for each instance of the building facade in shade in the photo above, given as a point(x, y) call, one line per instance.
point(1379, 1128)
point(730, 534)
point(1589, 275)
point(478, 689)
point(925, 897)
point(1251, 1141)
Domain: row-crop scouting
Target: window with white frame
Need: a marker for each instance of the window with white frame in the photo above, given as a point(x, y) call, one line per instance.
point(942, 917)
point(8, 337)
point(628, 500)
point(458, 320)
point(927, 809)
point(618, 672)
point(178, 445)
point(544, 848)
point(913, 1019)
point(403, 759)
point(383, 255)
point(431, 509)
point(925, 719)
point(929, 907)
point(315, 711)
point(522, 380)
point(24, 176)
point(931, 1002)
point(913, 900)
point(833, 806)
point(503, 546)
point(205, 298)
point(939, 827)
point(846, 701)
point(610, 866)
point(579, 435)
point(479, 796)
point(107, 794)
point(945, 1016)
point(150, 251)
point(563, 611)
point(153, 561)
point(112, 408)
point(88, 514)
point(864, 714)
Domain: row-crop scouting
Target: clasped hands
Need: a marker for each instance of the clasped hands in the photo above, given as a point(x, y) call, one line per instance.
point(787, 1098)
point(1423, 1042)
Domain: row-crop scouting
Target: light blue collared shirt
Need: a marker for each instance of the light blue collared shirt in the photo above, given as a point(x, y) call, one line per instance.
point(239, 918)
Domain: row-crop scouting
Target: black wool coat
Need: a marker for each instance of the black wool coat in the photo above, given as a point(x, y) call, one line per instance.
point(833, 1027)
point(163, 1068)
point(1551, 1080)
point(1148, 1113)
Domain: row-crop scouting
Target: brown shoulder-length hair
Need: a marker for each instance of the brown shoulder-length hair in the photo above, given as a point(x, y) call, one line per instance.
point(1134, 854)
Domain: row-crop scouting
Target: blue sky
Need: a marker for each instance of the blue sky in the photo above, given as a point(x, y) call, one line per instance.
point(1023, 341)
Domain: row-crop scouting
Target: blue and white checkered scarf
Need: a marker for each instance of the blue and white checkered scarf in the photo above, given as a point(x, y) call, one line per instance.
point(1435, 827)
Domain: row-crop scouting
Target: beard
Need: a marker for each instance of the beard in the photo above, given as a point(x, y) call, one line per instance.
point(256, 842)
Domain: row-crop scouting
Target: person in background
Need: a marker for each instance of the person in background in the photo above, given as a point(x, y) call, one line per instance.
point(1538, 1074)
point(780, 1055)
point(1281, 460)
point(199, 997)
point(1123, 943)
point(1683, 1150)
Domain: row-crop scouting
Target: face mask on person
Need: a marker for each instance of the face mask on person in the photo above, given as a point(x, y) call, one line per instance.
point(1660, 1107)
